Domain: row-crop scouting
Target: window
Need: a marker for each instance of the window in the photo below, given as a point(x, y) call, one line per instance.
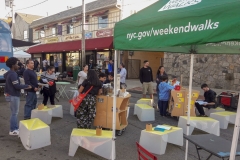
point(102, 22)
point(25, 35)
point(54, 31)
point(70, 29)
point(42, 34)
point(59, 29)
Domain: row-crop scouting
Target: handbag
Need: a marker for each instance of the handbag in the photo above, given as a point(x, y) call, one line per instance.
point(76, 101)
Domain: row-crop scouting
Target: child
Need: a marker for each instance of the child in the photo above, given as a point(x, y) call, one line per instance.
point(175, 81)
point(164, 95)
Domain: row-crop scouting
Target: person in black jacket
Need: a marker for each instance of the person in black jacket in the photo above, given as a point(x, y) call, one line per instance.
point(49, 78)
point(160, 73)
point(12, 93)
point(30, 78)
point(87, 110)
point(210, 100)
point(146, 78)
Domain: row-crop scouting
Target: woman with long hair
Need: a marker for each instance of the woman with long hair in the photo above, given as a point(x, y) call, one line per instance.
point(82, 75)
point(160, 73)
point(48, 77)
point(87, 110)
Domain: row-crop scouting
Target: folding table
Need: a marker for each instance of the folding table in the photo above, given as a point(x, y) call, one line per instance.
point(87, 138)
point(62, 89)
point(214, 145)
point(156, 141)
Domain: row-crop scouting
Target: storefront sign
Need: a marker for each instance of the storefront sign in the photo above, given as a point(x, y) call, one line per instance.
point(72, 37)
point(88, 35)
point(104, 33)
point(51, 40)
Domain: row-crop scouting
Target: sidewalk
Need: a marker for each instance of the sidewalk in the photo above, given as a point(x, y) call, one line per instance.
point(134, 86)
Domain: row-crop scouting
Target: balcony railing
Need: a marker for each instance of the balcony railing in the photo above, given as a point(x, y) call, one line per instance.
point(93, 29)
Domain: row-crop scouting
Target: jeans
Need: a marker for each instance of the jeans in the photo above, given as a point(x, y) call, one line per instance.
point(200, 108)
point(14, 103)
point(162, 105)
point(31, 102)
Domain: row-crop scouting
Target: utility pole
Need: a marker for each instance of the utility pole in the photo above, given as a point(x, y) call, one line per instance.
point(13, 20)
point(83, 34)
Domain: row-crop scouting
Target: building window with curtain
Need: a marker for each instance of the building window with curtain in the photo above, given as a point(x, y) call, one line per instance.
point(70, 29)
point(54, 31)
point(102, 22)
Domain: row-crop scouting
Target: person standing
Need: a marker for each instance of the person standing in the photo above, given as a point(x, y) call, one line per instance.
point(110, 67)
point(82, 75)
point(12, 93)
point(56, 65)
point(146, 78)
point(160, 73)
point(30, 78)
point(163, 96)
point(90, 65)
point(45, 64)
point(123, 75)
point(87, 110)
point(48, 77)
point(36, 64)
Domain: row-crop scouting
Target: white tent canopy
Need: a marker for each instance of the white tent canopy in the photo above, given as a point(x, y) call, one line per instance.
point(21, 54)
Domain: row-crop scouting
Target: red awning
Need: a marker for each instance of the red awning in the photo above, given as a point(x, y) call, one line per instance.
point(100, 13)
point(91, 44)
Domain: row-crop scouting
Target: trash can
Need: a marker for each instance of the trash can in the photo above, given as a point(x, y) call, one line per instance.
point(76, 70)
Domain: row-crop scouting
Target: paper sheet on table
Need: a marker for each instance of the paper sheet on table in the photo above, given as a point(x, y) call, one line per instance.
point(164, 127)
point(201, 102)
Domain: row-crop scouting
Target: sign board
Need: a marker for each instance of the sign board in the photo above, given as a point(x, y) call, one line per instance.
point(104, 33)
point(51, 40)
point(72, 37)
point(88, 35)
point(77, 37)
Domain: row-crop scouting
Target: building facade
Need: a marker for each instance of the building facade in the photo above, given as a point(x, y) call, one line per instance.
point(21, 28)
point(60, 37)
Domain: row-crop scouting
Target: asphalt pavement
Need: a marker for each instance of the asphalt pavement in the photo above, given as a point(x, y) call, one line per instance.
point(11, 147)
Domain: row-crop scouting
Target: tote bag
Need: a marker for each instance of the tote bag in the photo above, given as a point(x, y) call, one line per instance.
point(76, 101)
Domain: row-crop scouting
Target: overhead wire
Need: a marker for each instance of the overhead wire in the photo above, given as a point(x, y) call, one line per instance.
point(32, 5)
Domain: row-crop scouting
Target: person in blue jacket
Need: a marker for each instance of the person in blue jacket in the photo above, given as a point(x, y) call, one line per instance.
point(164, 94)
point(110, 67)
point(12, 93)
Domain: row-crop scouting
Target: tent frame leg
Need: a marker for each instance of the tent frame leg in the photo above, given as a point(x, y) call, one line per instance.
point(235, 133)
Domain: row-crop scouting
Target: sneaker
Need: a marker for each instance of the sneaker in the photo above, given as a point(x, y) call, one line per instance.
point(14, 133)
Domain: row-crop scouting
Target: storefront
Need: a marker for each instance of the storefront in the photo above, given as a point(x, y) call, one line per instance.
point(66, 55)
